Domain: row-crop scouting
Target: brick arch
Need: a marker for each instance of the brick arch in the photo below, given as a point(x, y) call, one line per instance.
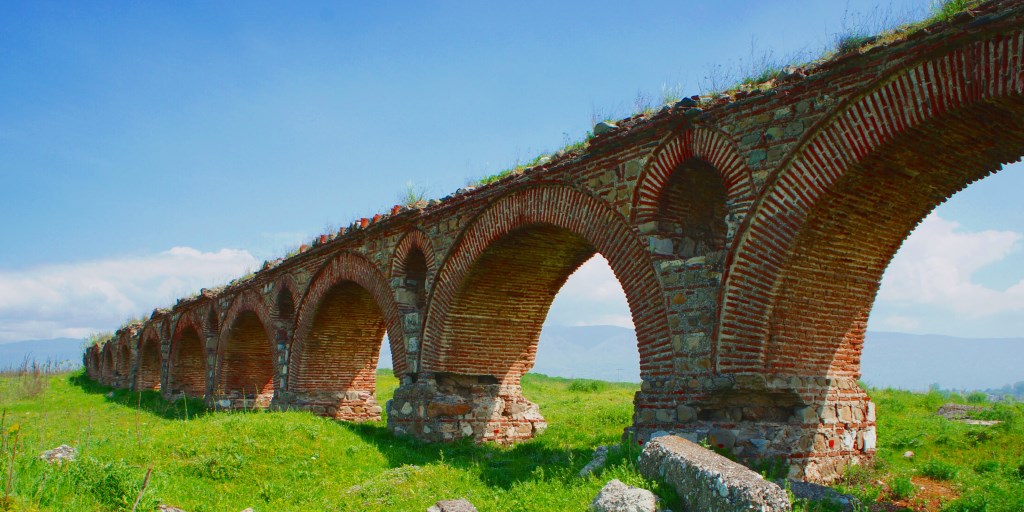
point(705, 145)
point(150, 357)
point(341, 322)
point(246, 352)
point(806, 271)
point(186, 364)
point(90, 360)
point(418, 240)
point(577, 225)
point(123, 358)
point(107, 363)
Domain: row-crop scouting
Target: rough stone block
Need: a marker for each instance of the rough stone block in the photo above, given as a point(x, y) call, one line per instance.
point(705, 480)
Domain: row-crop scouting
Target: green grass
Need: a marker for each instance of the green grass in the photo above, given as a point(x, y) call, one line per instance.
point(295, 461)
point(980, 463)
point(217, 461)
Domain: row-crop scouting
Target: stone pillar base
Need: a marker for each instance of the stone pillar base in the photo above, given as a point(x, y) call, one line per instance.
point(343, 406)
point(447, 407)
point(816, 425)
point(238, 401)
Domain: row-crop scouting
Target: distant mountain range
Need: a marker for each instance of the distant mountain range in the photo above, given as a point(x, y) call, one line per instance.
point(907, 361)
point(58, 350)
point(896, 360)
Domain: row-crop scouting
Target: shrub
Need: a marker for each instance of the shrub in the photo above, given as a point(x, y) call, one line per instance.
point(939, 470)
point(977, 397)
point(587, 386)
point(902, 488)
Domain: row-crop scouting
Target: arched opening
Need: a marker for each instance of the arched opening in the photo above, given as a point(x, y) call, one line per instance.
point(246, 371)
point(212, 323)
point(285, 306)
point(124, 365)
point(187, 365)
point(414, 281)
point(495, 319)
point(588, 332)
point(692, 210)
point(150, 361)
point(333, 368)
point(107, 368)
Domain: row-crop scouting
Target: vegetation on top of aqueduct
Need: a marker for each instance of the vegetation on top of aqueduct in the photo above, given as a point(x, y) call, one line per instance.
point(227, 461)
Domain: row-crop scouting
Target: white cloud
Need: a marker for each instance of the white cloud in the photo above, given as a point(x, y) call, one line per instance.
point(591, 296)
point(936, 265)
point(72, 300)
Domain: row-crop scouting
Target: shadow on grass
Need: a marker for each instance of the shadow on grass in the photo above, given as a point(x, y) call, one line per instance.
point(497, 466)
point(147, 401)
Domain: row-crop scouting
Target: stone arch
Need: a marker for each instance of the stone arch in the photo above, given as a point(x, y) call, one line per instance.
point(341, 322)
point(150, 357)
point(186, 365)
point(246, 353)
point(807, 268)
point(572, 226)
point(693, 147)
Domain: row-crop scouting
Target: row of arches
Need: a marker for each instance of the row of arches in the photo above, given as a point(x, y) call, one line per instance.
point(731, 281)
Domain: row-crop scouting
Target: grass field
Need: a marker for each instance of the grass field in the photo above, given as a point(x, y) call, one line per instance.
point(294, 461)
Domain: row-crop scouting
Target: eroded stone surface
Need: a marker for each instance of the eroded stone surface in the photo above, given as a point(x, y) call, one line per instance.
point(616, 496)
point(705, 480)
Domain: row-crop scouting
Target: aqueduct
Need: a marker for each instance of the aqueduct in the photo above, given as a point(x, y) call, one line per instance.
point(749, 234)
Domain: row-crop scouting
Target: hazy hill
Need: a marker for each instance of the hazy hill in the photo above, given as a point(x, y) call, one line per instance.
point(57, 350)
point(915, 361)
point(908, 361)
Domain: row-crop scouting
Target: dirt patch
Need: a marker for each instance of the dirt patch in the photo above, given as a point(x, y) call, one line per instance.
point(930, 496)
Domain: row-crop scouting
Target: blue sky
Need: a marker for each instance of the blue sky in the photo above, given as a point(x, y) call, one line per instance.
point(149, 149)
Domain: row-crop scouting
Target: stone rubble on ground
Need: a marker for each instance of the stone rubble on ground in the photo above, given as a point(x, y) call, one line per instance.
point(459, 505)
point(59, 454)
point(168, 508)
point(600, 457)
point(705, 480)
point(962, 413)
point(619, 497)
point(815, 492)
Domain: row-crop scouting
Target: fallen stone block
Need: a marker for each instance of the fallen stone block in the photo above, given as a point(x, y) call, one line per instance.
point(705, 480)
point(818, 493)
point(459, 505)
point(598, 462)
point(62, 453)
point(619, 497)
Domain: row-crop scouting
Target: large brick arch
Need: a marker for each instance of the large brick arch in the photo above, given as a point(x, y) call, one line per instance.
point(706, 145)
point(341, 321)
point(246, 351)
point(186, 365)
point(805, 274)
point(556, 221)
point(147, 375)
